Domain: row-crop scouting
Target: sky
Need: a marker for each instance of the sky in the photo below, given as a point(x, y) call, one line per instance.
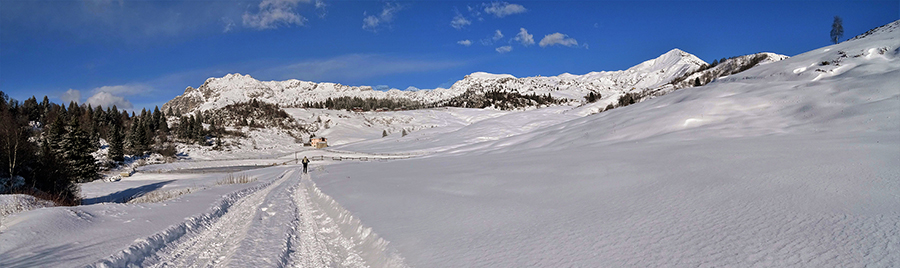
point(140, 54)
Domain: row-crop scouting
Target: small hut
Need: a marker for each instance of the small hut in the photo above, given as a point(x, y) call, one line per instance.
point(319, 143)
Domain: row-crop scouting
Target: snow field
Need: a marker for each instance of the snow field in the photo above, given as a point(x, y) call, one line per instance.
point(724, 202)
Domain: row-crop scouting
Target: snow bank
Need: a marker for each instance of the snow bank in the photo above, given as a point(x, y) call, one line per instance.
point(15, 203)
point(372, 248)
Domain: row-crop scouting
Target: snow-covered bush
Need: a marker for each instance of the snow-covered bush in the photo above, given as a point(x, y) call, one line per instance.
point(159, 196)
point(231, 179)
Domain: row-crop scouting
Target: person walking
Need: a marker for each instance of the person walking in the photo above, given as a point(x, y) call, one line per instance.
point(305, 162)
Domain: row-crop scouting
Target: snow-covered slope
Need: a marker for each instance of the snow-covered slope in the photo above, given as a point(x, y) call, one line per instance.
point(233, 88)
point(727, 67)
point(789, 164)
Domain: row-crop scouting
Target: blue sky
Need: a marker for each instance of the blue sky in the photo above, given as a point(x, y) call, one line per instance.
point(143, 53)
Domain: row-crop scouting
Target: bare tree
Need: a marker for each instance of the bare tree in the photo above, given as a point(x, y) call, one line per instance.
point(14, 143)
point(837, 29)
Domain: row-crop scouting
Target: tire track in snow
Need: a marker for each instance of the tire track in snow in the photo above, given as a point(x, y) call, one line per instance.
point(320, 243)
point(338, 238)
point(217, 245)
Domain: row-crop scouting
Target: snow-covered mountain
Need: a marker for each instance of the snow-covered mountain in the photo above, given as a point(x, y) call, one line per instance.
point(648, 74)
point(234, 88)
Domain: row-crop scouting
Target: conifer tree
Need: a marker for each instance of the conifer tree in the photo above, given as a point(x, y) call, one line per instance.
point(199, 135)
point(76, 152)
point(187, 127)
point(137, 139)
point(156, 115)
point(163, 131)
point(142, 136)
point(51, 175)
point(117, 143)
point(55, 135)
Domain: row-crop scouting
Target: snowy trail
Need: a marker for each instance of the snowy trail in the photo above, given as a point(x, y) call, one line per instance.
point(217, 245)
point(280, 225)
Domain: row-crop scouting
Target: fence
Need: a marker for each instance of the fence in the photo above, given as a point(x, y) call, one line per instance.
point(350, 158)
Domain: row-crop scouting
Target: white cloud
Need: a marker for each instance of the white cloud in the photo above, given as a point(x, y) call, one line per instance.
point(466, 42)
point(106, 99)
point(372, 22)
point(70, 96)
point(504, 49)
point(489, 41)
point(229, 24)
point(459, 22)
point(126, 90)
point(558, 39)
point(107, 96)
point(524, 38)
point(503, 9)
point(320, 8)
point(475, 12)
point(273, 14)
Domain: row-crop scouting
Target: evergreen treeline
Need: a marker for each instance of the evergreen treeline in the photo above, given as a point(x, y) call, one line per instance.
point(367, 104)
point(255, 114)
point(629, 98)
point(504, 100)
point(208, 128)
point(190, 128)
point(46, 148)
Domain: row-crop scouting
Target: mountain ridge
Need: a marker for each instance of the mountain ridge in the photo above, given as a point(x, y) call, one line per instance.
point(235, 88)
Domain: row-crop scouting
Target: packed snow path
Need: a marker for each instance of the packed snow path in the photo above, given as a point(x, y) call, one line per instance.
point(282, 224)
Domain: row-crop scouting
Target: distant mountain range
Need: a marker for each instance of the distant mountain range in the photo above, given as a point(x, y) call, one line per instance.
point(655, 75)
